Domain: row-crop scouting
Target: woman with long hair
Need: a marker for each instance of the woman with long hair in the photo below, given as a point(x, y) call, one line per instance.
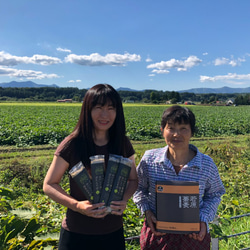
point(100, 130)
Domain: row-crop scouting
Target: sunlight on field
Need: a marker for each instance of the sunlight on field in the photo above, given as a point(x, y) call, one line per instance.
point(30, 133)
point(48, 123)
point(39, 104)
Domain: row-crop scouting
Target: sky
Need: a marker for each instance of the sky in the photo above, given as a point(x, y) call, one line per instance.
point(137, 44)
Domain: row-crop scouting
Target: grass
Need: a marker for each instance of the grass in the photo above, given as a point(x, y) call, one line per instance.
point(24, 168)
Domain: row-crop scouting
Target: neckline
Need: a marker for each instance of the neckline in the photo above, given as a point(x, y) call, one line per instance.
point(98, 146)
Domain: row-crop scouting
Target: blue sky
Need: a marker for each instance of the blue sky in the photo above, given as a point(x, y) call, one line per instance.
point(138, 44)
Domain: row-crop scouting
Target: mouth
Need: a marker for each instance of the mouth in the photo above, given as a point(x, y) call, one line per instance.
point(177, 141)
point(103, 122)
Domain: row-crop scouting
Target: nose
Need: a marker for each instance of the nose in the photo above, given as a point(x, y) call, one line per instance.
point(176, 132)
point(104, 113)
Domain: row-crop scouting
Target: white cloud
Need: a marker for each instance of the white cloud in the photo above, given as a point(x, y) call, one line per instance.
point(180, 65)
point(7, 59)
point(229, 76)
point(28, 74)
point(160, 71)
point(226, 61)
point(43, 60)
point(96, 59)
point(148, 59)
point(63, 50)
point(205, 54)
point(221, 61)
point(72, 81)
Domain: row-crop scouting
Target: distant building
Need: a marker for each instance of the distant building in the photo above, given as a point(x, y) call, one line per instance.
point(230, 102)
point(65, 100)
point(189, 103)
point(129, 101)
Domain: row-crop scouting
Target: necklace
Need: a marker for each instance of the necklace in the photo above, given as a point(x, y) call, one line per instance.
point(179, 166)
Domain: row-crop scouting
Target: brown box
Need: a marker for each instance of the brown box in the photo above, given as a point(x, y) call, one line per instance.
point(177, 207)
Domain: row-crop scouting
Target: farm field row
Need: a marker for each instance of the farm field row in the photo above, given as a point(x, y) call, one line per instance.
point(25, 124)
point(22, 169)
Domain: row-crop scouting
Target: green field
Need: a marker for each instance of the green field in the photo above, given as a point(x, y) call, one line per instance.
point(37, 124)
point(29, 135)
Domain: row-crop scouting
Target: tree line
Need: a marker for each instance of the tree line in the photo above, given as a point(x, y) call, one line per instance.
point(51, 94)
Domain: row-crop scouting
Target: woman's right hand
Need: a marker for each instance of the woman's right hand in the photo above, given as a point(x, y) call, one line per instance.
point(91, 210)
point(151, 221)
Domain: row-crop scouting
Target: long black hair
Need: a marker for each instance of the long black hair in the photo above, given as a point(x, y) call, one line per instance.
point(99, 94)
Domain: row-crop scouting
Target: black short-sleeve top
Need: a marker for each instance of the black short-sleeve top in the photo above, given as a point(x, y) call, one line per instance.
point(74, 221)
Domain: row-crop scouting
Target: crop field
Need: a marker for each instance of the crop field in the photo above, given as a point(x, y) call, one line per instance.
point(29, 134)
point(38, 124)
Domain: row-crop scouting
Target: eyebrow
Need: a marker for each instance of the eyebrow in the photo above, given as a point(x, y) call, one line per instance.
point(182, 123)
point(106, 103)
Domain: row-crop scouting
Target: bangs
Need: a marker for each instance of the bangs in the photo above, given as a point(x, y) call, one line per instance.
point(179, 117)
point(102, 100)
point(178, 114)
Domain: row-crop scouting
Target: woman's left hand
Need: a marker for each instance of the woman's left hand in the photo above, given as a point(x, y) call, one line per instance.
point(200, 236)
point(118, 207)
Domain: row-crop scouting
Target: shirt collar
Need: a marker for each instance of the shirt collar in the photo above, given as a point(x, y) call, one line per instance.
point(195, 162)
point(163, 157)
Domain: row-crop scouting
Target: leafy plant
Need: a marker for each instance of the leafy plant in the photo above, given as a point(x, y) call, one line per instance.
point(39, 124)
point(16, 232)
point(22, 169)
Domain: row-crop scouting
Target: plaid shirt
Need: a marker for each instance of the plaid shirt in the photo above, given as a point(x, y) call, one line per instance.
point(155, 166)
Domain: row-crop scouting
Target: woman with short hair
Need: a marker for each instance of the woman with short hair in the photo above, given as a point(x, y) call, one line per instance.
point(177, 161)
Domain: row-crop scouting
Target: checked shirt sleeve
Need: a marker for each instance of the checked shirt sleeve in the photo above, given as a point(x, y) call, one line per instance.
point(214, 189)
point(141, 195)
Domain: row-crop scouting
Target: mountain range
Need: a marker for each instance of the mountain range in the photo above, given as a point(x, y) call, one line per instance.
point(28, 84)
point(223, 90)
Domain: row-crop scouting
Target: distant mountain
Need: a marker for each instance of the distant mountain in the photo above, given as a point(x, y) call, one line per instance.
point(126, 89)
point(223, 90)
point(28, 84)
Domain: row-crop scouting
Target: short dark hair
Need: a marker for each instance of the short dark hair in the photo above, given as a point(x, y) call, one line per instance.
point(178, 114)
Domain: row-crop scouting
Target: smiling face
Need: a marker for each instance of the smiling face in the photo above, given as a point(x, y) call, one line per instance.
point(103, 117)
point(177, 135)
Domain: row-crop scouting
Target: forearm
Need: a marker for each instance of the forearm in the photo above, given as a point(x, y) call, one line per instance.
point(208, 211)
point(212, 196)
point(132, 183)
point(56, 193)
point(209, 205)
point(51, 184)
point(141, 200)
point(131, 188)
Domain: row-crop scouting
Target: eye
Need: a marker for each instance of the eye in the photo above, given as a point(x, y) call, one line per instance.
point(111, 108)
point(170, 128)
point(98, 107)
